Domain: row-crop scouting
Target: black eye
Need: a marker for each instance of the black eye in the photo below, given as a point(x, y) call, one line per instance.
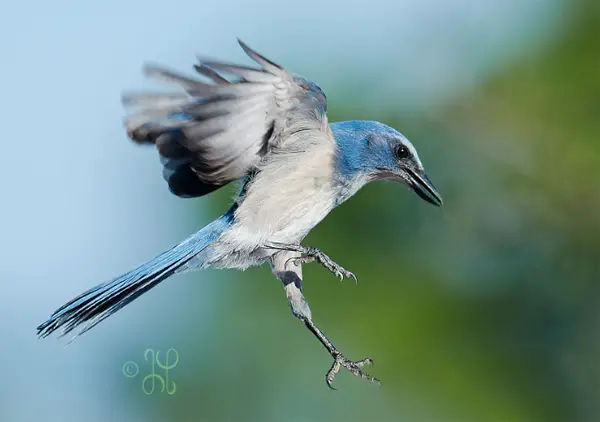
point(402, 152)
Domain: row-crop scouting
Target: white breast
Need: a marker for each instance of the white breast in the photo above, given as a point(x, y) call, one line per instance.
point(290, 195)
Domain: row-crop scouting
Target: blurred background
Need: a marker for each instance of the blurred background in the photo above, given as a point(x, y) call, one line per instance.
point(486, 310)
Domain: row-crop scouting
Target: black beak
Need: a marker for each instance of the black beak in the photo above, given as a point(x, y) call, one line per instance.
point(423, 187)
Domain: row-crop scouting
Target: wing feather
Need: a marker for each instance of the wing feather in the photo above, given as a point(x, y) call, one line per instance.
point(219, 130)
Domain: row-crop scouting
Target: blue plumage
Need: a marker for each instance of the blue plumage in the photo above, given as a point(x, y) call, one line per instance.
point(268, 128)
point(365, 146)
point(101, 301)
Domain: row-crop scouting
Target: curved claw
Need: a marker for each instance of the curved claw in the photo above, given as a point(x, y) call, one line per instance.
point(292, 260)
point(343, 273)
point(297, 261)
point(354, 277)
point(335, 368)
point(349, 274)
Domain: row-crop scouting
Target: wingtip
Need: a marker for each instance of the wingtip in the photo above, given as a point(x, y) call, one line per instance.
point(259, 58)
point(245, 47)
point(127, 98)
point(150, 69)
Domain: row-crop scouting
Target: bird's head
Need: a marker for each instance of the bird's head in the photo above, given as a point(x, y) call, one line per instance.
point(373, 151)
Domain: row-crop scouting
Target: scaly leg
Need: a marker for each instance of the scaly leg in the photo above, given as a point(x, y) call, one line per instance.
point(310, 254)
point(291, 276)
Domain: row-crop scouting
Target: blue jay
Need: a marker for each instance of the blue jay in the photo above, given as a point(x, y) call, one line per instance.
point(267, 128)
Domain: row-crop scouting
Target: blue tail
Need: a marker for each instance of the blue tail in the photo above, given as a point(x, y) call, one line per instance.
point(103, 300)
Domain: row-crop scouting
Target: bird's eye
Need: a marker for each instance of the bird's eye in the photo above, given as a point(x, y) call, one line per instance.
point(402, 151)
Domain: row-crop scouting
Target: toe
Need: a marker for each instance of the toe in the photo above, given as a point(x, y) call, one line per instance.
point(366, 361)
point(335, 368)
point(330, 383)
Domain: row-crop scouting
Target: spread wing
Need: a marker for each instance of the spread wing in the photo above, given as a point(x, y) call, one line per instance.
point(212, 133)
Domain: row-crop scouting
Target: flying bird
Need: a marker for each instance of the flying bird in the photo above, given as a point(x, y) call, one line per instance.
point(267, 128)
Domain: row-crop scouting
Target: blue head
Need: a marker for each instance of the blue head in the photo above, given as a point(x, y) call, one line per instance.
point(373, 151)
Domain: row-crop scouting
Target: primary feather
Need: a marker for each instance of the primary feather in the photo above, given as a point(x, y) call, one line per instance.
point(214, 133)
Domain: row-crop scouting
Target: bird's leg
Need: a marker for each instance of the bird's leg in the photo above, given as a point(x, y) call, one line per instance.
point(291, 276)
point(310, 254)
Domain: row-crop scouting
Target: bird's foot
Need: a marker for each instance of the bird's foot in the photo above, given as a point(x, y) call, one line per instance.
point(340, 361)
point(310, 254)
point(313, 254)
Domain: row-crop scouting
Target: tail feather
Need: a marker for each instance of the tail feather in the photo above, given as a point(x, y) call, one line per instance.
point(98, 303)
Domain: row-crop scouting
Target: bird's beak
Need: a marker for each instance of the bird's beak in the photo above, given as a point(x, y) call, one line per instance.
point(420, 183)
